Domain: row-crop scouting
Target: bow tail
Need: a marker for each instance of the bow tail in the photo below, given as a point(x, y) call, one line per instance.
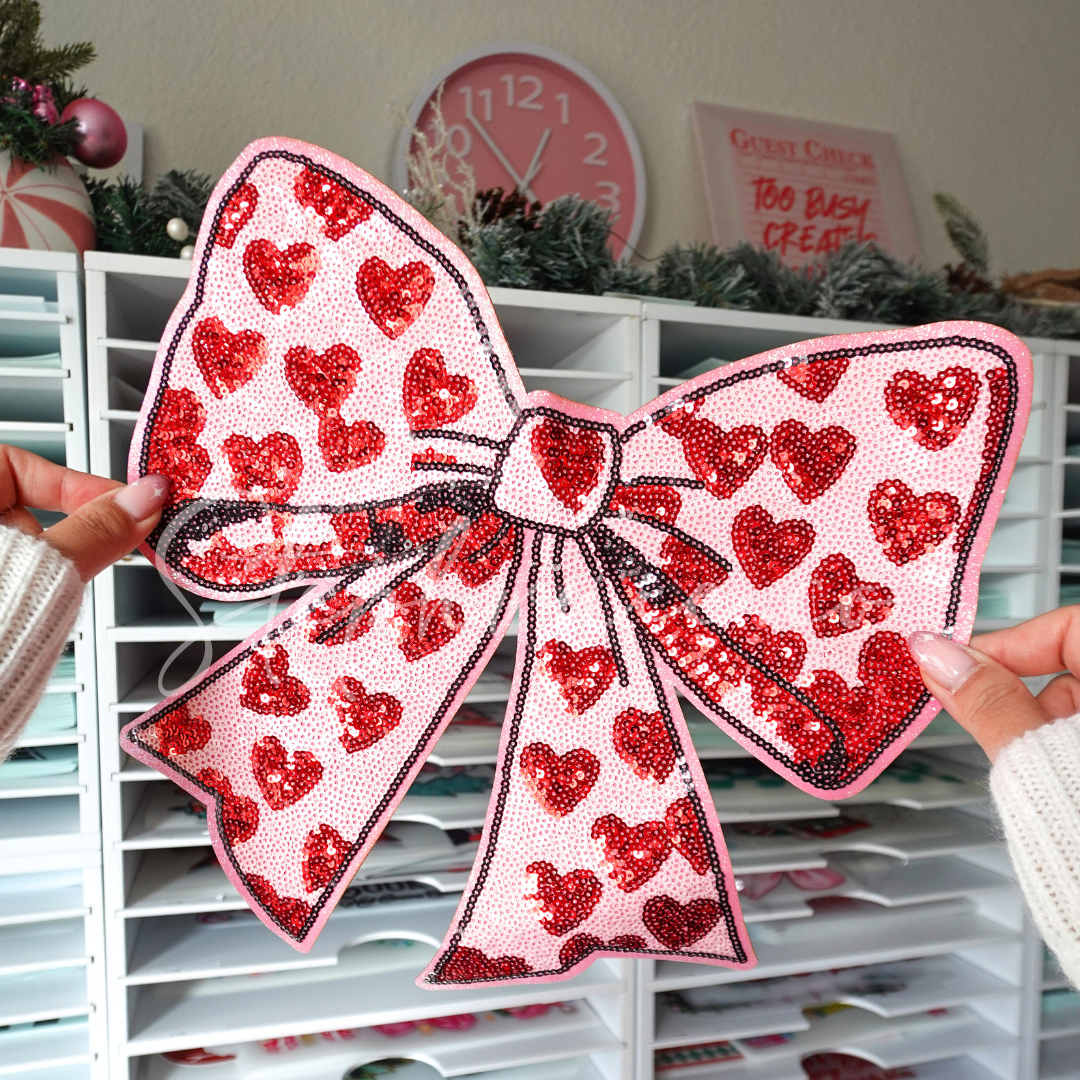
point(302, 741)
point(601, 837)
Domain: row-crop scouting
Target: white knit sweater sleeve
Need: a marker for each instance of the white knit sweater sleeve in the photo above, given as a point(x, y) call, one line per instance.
point(1035, 782)
point(40, 594)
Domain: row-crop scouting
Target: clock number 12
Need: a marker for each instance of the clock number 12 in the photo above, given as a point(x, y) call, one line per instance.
point(529, 100)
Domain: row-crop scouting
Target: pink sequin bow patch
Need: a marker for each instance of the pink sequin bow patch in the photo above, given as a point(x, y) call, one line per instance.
point(336, 405)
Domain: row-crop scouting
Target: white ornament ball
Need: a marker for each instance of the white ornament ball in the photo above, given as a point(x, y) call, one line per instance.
point(187, 251)
point(177, 228)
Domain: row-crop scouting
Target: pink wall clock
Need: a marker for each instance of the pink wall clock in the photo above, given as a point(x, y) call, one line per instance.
point(527, 117)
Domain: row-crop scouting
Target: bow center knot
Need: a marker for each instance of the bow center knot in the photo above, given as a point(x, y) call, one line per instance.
point(556, 470)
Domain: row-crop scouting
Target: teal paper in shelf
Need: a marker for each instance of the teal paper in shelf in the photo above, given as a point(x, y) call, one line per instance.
point(230, 613)
point(40, 761)
point(993, 602)
point(1070, 552)
point(711, 363)
point(18, 302)
point(55, 713)
point(46, 360)
point(1069, 594)
point(65, 668)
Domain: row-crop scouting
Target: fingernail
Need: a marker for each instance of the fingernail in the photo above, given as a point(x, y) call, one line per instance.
point(144, 497)
point(943, 660)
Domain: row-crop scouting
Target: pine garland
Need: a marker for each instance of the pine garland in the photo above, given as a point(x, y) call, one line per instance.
point(131, 219)
point(564, 248)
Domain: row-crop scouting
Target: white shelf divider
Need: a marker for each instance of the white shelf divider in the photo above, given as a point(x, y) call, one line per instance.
point(51, 949)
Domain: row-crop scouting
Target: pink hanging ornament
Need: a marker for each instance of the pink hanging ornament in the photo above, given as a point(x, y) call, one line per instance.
point(102, 137)
point(44, 108)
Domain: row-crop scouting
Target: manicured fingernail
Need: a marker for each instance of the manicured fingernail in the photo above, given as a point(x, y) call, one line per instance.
point(943, 660)
point(144, 497)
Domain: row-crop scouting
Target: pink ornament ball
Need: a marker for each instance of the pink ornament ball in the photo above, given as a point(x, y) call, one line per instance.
point(102, 137)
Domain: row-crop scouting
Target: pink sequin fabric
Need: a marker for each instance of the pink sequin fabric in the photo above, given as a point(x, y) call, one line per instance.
point(336, 405)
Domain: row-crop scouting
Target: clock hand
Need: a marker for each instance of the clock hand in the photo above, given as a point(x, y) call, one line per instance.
point(535, 165)
point(522, 186)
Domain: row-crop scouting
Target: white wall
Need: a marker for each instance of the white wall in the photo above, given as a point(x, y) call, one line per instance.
point(983, 95)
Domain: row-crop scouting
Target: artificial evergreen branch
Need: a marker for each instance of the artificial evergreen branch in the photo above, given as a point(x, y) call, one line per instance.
point(24, 136)
point(132, 220)
point(703, 274)
point(965, 233)
point(23, 54)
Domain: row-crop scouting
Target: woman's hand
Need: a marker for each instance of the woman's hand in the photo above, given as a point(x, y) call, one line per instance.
point(980, 685)
point(105, 520)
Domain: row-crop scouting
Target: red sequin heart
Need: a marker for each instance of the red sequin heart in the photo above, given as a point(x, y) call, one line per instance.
point(472, 965)
point(348, 446)
point(281, 781)
point(781, 652)
point(239, 814)
point(641, 739)
point(932, 412)
point(815, 379)
point(561, 902)
point(288, 912)
point(394, 299)
point(367, 717)
point(557, 783)
point(236, 214)
point(907, 525)
point(634, 853)
point(581, 945)
point(581, 676)
point(340, 210)
point(430, 395)
point(278, 278)
point(173, 450)
point(691, 568)
point(722, 460)
point(426, 625)
point(886, 666)
point(570, 460)
point(478, 553)
point(648, 500)
point(266, 471)
point(324, 851)
point(767, 549)
point(686, 835)
point(178, 732)
point(840, 603)
point(852, 708)
point(677, 926)
point(810, 462)
point(322, 381)
point(269, 688)
point(344, 613)
point(808, 736)
point(226, 360)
